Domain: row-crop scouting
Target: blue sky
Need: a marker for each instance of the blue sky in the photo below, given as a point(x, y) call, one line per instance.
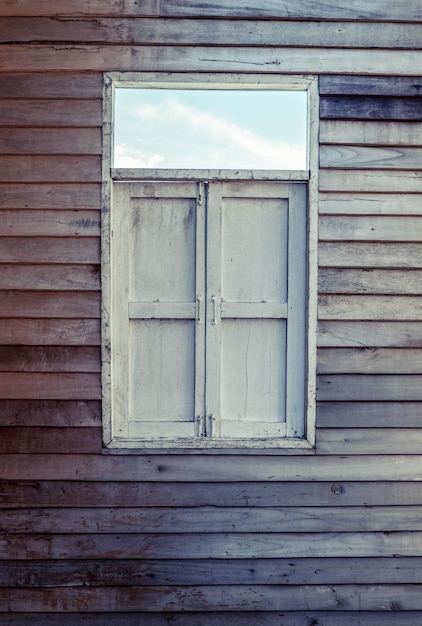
point(171, 128)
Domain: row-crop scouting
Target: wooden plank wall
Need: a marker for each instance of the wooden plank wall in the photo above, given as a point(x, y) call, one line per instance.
point(205, 539)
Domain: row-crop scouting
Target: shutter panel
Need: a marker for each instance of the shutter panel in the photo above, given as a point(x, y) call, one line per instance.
point(209, 310)
point(257, 275)
point(164, 245)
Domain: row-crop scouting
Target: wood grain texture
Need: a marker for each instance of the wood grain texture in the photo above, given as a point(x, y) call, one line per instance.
point(36, 440)
point(124, 572)
point(206, 538)
point(403, 204)
point(326, 9)
point(218, 545)
point(384, 133)
point(238, 598)
point(370, 108)
point(56, 250)
point(52, 196)
point(50, 113)
point(375, 307)
point(50, 332)
point(128, 521)
point(39, 223)
point(50, 413)
point(372, 414)
point(220, 618)
point(369, 228)
point(100, 57)
point(43, 85)
point(369, 361)
point(362, 254)
point(360, 387)
point(338, 156)
point(57, 168)
point(81, 7)
point(48, 304)
point(372, 181)
point(376, 281)
point(49, 386)
point(180, 31)
point(49, 277)
point(368, 441)
point(49, 359)
point(397, 86)
point(214, 474)
point(355, 333)
point(54, 141)
point(57, 493)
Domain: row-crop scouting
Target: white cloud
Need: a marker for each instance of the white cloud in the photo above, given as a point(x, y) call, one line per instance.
point(126, 156)
point(173, 134)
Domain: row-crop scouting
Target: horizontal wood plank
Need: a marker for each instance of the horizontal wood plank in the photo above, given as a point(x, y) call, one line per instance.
point(49, 359)
point(384, 133)
point(342, 156)
point(369, 361)
point(81, 7)
point(49, 386)
point(204, 470)
point(50, 250)
point(38, 223)
point(375, 307)
point(218, 545)
point(69, 86)
point(55, 141)
point(368, 280)
point(370, 181)
point(370, 228)
point(370, 85)
point(307, 9)
point(50, 332)
point(50, 277)
point(50, 113)
point(95, 57)
point(36, 440)
point(52, 196)
point(370, 108)
point(56, 413)
point(369, 440)
point(41, 304)
point(220, 520)
point(369, 204)
point(62, 168)
point(372, 414)
point(123, 572)
point(360, 387)
point(341, 34)
point(57, 493)
point(362, 254)
point(369, 333)
point(220, 618)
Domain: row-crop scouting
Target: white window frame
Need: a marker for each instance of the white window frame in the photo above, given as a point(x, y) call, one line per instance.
point(305, 443)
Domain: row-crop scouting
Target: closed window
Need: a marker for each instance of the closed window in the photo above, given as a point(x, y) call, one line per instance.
point(207, 309)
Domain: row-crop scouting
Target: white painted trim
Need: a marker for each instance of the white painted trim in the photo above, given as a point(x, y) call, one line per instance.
point(123, 174)
point(212, 81)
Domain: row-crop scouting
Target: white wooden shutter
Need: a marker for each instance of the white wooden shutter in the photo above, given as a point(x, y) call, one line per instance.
point(209, 310)
point(161, 261)
point(256, 281)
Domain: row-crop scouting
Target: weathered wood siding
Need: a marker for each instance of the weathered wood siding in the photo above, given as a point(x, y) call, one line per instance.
point(209, 539)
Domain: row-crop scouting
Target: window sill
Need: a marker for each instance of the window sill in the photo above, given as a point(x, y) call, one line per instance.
point(212, 447)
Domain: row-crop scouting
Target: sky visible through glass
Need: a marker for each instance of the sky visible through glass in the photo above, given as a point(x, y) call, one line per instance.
point(210, 129)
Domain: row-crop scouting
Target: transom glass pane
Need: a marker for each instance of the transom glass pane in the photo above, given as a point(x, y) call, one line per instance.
point(210, 129)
